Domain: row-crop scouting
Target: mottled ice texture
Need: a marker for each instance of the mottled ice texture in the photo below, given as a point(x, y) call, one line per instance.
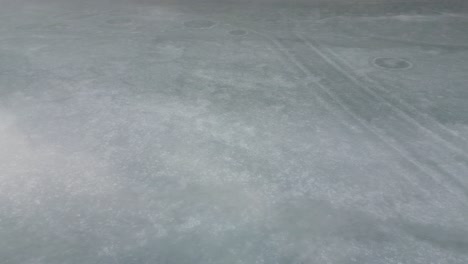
point(275, 132)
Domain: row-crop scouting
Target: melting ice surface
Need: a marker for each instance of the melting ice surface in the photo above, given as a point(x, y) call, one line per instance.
point(152, 131)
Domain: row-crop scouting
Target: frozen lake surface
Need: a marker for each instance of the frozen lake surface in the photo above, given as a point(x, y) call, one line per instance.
point(218, 132)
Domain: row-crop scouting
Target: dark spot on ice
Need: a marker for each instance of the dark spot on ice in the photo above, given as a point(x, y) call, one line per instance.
point(119, 21)
point(392, 63)
point(238, 32)
point(199, 24)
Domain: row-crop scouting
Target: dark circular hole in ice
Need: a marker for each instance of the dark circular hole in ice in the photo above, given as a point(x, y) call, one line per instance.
point(392, 63)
